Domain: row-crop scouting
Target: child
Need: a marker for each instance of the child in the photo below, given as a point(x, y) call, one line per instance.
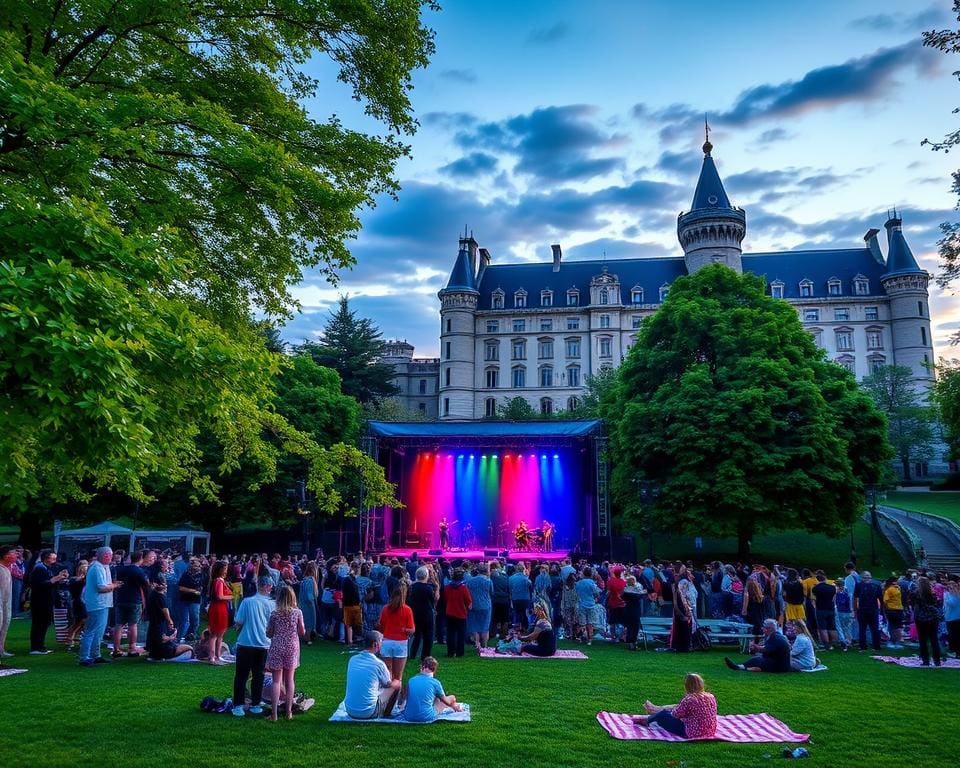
point(425, 696)
point(285, 628)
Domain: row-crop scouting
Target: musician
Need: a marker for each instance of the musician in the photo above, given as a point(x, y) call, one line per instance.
point(469, 538)
point(444, 533)
point(522, 535)
point(547, 530)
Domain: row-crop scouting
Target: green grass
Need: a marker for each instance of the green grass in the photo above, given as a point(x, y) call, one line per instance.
point(943, 503)
point(133, 713)
point(791, 548)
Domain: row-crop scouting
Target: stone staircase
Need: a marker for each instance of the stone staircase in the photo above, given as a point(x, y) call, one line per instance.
point(939, 537)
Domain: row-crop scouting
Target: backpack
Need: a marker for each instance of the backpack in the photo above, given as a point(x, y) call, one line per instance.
point(700, 640)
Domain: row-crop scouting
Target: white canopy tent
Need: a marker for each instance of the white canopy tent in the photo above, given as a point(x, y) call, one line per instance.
point(109, 534)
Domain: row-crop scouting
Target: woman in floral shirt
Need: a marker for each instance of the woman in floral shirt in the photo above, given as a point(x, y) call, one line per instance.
point(695, 717)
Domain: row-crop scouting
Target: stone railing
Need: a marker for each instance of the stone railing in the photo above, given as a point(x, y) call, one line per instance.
point(941, 525)
point(902, 538)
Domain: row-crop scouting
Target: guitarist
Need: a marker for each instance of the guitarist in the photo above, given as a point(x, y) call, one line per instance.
point(445, 532)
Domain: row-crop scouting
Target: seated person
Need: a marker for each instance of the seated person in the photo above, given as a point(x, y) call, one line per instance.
point(801, 641)
point(201, 648)
point(425, 696)
point(371, 690)
point(542, 632)
point(161, 634)
point(695, 717)
point(774, 652)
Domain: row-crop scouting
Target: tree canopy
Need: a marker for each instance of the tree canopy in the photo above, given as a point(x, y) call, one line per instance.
point(160, 180)
point(728, 405)
point(946, 392)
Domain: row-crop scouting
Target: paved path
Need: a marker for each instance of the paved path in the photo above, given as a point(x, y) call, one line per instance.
point(942, 553)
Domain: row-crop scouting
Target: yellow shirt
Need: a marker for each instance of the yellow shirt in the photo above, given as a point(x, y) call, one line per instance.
point(893, 598)
point(808, 585)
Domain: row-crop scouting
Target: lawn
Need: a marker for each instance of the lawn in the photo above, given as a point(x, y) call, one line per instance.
point(943, 503)
point(525, 713)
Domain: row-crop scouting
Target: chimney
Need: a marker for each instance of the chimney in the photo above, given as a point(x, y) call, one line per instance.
point(484, 263)
point(870, 238)
point(557, 255)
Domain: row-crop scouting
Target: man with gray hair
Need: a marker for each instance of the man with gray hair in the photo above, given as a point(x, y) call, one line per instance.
point(97, 598)
point(371, 690)
point(251, 621)
point(774, 652)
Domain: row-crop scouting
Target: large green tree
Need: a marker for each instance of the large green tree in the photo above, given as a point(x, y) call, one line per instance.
point(352, 346)
point(728, 405)
point(911, 421)
point(160, 180)
point(946, 393)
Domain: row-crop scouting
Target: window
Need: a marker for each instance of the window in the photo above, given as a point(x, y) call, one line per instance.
point(546, 324)
point(491, 350)
point(573, 323)
point(446, 406)
point(876, 362)
point(423, 386)
point(423, 407)
point(844, 340)
point(449, 326)
point(520, 299)
point(446, 350)
point(497, 299)
point(573, 376)
point(546, 406)
point(573, 348)
point(871, 313)
point(664, 290)
point(923, 335)
point(806, 289)
point(518, 376)
point(573, 403)
point(861, 286)
point(492, 378)
point(519, 325)
point(636, 295)
point(606, 346)
point(546, 376)
point(776, 289)
point(493, 326)
point(490, 407)
point(518, 349)
point(446, 377)
point(811, 315)
point(635, 321)
point(874, 338)
point(920, 308)
point(545, 349)
point(546, 298)
point(604, 296)
point(573, 298)
point(834, 286)
point(848, 362)
point(841, 314)
point(604, 321)
point(817, 336)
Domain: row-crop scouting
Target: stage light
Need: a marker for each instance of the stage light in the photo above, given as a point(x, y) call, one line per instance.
point(543, 456)
point(472, 456)
point(556, 455)
point(460, 456)
point(483, 456)
point(494, 456)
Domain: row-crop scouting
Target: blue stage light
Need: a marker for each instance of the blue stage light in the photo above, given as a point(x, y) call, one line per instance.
point(556, 455)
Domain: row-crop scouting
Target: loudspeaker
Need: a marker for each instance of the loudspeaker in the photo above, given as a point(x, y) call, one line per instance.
point(435, 552)
point(426, 538)
point(411, 539)
point(493, 553)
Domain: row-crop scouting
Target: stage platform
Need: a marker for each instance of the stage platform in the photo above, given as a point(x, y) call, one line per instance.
point(475, 554)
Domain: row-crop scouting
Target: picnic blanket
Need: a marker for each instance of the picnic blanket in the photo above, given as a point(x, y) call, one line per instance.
point(8, 672)
point(448, 715)
point(491, 653)
point(914, 661)
point(818, 668)
point(738, 728)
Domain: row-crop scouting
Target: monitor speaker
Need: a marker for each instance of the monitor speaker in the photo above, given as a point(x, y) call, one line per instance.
point(412, 539)
point(435, 552)
point(493, 553)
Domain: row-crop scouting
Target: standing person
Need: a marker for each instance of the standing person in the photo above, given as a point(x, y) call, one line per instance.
point(683, 618)
point(481, 606)
point(844, 603)
point(98, 600)
point(42, 586)
point(218, 612)
point(587, 594)
point(752, 609)
point(893, 610)
point(17, 572)
point(396, 623)
point(520, 587)
point(251, 622)
point(444, 534)
point(352, 610)
point(824, 598)
point(867, 601)
point(927, 615)
point(501, 600)
point(8, 558)
point(77, 609)
point(458, 600)
point(793, 596)
point(569, 606)
point(371, 690)
point(616, 603)
point(951, 615)
point(129, 601)
point(284, 628)
point(423, 602)
point(190, 589)
point(695, 717)
point(425, 695)
point(308, 600)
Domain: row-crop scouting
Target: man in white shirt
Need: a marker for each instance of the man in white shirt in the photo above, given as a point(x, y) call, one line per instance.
point(98, 599)
point(251, 622)
point(371, 690)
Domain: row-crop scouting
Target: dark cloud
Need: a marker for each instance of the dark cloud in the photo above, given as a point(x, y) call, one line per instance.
point(885, 22)
point(773, 136)
point(777, 184)
point(469, 166)
point(465, 76)
point(686, 164)
point(548, 35)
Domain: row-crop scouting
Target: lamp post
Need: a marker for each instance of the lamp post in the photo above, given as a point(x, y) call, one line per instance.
point(874, 523)
point(649, 492)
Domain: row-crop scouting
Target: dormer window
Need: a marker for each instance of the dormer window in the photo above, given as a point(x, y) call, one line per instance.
point(861, 286)
point(806, 289)
point(776, 289)
point(604, 296)
point(496, 299)
point(664, 290)
point(546, 298)
point(636, 295)
point(573, 297)
point(834, 286)
point(520, 299)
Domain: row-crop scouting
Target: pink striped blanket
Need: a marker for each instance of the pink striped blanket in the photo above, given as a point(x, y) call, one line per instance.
point(738, 728)
point(491, 653)
point(914, 661)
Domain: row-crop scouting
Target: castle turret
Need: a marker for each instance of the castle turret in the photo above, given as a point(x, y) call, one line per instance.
point(458, 306)
point(712, 230)
point(906, 285)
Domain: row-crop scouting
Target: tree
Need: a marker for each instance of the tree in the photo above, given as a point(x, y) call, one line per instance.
point(159, 181)
point(910, 422)
point(516, 409)
point(599, 386)
point(726, 403)
point(352, 346)
point(946, 394)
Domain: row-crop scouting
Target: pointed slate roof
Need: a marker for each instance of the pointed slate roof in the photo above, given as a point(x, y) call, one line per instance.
point(709, 193)
point(900, 260)
point(461, 278)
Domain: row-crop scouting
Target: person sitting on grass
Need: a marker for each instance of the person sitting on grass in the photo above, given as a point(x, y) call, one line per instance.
point(161, 634)
point(695, 717)
point(425, 695)
point(774, 652)
point(371, 690)
point(801, 641)
point(542, 640)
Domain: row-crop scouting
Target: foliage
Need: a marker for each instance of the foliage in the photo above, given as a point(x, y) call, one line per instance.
point(946, 393)
point(389, 409)
point(517, 409)
point(726, 402)
point(910, 422)
point(945, 503)
point(159, 181)
point(598, 387)
point(352, 346)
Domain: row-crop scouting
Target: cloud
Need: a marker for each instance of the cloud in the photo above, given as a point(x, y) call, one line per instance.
point(474, 164)
point(885, 22)
point(449, 121)
point(465, 76)
point(778, 184)
point(548, 35)
point(772, 136)
point(685, 164)
point(613, 248)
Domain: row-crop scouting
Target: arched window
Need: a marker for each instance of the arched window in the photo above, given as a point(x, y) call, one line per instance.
point(604, 296)
point(546, 376)
point(636, 295)
point(776, 289)
point(518, 375)
point(573, 403)
point(491, 377)
point(490, 407)
point(664, 290)
point(573, 376)
point(834, 286)
point(546, 406)
point(806, 289)
point(496, 299)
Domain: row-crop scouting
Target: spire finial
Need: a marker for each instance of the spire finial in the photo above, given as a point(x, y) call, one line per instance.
point(707, 146)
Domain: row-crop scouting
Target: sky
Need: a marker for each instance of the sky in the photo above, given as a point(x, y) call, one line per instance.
point(581, 124)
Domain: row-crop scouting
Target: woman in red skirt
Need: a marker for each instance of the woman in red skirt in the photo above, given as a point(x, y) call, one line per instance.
point(218, 613)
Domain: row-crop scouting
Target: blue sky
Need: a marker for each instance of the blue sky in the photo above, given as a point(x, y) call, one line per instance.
point(581, 123)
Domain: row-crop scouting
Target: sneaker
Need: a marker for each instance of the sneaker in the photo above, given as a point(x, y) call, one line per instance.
point(100, 660)
point(238, 712)
point(731, 664)
point(87, 663)
point(44, 652)
point(257, 710)
point(6, 654)
point(227, 705)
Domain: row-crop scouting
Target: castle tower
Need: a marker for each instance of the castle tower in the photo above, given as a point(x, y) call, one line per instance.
point(712, 230)
point(906, 285)
point(458, 306)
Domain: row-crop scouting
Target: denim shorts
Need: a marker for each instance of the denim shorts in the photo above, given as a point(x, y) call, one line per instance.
point(394, 649)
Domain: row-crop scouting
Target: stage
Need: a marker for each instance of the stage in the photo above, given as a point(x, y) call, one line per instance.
point(476, 555)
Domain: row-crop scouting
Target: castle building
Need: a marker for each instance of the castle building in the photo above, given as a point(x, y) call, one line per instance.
point(537, 330)
point(416, 378)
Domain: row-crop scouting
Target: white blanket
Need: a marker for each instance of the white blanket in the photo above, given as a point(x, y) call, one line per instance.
point(448, 715)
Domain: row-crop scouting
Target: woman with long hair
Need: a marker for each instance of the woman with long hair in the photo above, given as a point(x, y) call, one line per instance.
point(568, 606)
point(802, 654)
point(397, 626)
point(218, 614)
point(78, 611)
point(695, 717)
point(285, 628)
point(308, 600)
point(541, 640)
point(926, 615)
point(683, 618)
point(753, 607)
